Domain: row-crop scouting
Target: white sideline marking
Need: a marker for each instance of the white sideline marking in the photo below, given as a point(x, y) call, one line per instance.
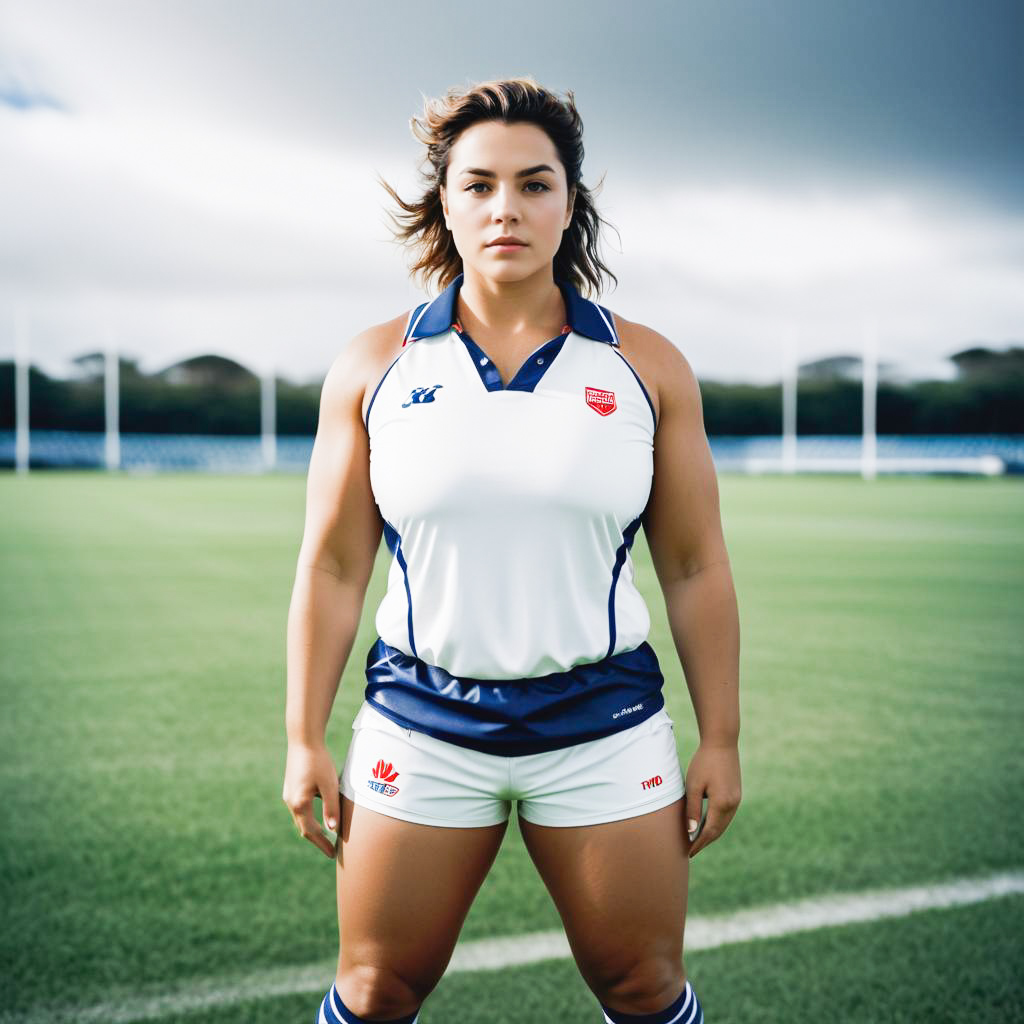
point(491, 954)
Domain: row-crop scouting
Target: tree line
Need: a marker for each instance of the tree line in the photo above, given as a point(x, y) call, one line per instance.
point(216, 396)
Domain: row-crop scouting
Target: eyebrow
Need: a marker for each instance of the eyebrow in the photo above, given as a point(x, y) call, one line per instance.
point(482, 173)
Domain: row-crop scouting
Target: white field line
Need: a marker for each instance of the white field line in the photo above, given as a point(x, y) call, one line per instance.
point(492, 954)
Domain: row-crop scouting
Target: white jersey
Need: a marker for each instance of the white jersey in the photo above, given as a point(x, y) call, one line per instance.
point(510, 508)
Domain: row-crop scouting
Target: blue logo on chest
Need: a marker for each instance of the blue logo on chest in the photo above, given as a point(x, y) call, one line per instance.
point(421, 395)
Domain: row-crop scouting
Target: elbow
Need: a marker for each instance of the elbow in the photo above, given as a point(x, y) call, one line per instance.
point(354, 577)
point(351, 567)
point(680, 571)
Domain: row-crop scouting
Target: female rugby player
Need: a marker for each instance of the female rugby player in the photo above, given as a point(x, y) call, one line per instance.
point(508, 438)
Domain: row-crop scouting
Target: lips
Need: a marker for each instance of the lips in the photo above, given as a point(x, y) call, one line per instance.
point(506, 241)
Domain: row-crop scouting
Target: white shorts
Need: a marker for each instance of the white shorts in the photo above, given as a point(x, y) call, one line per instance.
point(416, 777)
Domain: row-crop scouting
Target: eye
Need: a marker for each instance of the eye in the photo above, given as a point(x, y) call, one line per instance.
point(482, 184)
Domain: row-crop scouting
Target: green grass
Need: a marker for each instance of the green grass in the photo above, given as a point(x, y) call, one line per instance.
point(896, 972)
point(142, 653)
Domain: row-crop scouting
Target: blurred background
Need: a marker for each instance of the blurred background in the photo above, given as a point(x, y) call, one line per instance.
point(800, 192)
point(820, 203)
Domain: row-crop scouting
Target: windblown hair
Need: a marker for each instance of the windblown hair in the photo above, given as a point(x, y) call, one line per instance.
point(421, 226)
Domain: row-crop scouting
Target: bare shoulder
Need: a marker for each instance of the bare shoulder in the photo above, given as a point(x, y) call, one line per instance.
point(359, 366)
point(660, 364)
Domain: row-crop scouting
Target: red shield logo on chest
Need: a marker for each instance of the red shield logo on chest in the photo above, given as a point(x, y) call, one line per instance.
point(600, 401)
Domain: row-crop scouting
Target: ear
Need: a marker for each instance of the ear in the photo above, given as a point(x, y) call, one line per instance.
point(571, 208)
point(444, 206)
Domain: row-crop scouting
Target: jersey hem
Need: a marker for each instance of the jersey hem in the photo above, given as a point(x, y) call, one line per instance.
point(520, 748)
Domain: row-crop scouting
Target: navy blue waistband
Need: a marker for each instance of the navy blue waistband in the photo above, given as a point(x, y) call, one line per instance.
point(516, 716)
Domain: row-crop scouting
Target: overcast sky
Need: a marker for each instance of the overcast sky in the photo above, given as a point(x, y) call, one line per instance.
point(191, 176)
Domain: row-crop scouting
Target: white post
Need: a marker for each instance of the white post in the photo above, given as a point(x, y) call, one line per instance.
point(789, 377)
point(869, 446)
point(268, 418)
point(21, 366)
point(111, 383)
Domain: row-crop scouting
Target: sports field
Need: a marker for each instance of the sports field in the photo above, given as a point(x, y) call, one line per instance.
point(149, 865)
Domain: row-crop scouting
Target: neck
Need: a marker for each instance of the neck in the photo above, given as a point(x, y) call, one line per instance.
point(511, 309)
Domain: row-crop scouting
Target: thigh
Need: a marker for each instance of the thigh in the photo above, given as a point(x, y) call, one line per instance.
point(404, 890)
point(620, 887)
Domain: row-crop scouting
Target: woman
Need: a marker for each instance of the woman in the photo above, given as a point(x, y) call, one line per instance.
point(508, 439)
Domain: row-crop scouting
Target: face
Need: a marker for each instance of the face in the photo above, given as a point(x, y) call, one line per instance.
point(479, 207)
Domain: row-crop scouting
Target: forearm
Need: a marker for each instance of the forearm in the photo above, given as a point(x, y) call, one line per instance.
point(322, 622)
point(704, 619)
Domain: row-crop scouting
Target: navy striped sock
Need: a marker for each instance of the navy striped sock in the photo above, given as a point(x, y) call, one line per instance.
point(334, 1011)
point(685, 1010)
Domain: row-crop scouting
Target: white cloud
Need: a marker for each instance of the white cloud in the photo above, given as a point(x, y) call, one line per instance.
point(172, 205)
point(81, 189)
point(727, 273)
point(181, 239)
point(186, 240)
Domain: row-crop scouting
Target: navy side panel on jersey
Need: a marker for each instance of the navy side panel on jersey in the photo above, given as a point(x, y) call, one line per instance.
point(516, 716)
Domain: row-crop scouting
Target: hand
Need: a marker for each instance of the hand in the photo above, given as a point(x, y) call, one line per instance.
point(310, 773)
point(714, 771)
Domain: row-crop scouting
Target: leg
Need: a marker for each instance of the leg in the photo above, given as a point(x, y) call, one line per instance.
point(620, 889)
point(403, 893)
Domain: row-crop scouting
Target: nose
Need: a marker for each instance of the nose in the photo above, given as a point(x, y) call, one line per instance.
point(506, 205)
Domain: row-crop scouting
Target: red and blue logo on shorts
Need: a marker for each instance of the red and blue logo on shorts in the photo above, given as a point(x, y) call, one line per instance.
point(383, 776)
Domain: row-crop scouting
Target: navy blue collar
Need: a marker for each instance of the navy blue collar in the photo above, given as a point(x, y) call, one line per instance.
point(585, 317)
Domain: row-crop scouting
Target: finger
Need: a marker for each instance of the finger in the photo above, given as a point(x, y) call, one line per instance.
point(717, 821)
point(309, 828)
point(331, 798)
point(695, 799)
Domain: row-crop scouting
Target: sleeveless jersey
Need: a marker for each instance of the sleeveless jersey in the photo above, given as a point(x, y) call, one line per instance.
point(511, 621)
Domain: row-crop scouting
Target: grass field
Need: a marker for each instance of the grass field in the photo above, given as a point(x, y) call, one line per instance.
point(145, 845)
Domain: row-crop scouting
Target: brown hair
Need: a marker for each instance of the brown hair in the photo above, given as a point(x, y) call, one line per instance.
point(512, 100)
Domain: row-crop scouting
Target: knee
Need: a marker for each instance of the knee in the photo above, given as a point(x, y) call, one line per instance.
point(639, 986)
point(380, 993)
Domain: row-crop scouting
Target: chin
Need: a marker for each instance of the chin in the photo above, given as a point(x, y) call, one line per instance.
point(515, 269)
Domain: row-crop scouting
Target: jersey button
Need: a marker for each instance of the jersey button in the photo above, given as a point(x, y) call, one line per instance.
point(483, 361)
point(540, 359)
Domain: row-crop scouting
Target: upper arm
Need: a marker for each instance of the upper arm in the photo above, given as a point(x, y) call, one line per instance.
point(343, 524)
point(682, 521)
